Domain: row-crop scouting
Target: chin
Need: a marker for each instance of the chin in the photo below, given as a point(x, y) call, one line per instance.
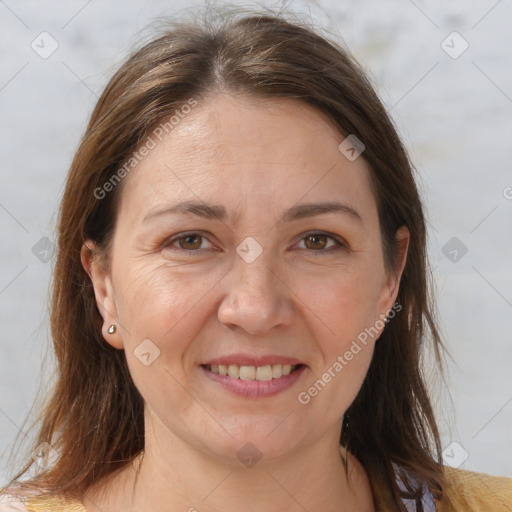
point(252, 446)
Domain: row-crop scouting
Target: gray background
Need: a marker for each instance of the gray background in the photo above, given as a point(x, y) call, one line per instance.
point(455, 115)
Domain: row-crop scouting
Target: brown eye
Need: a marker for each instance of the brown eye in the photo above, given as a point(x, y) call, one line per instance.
point(191, 242)
point(188, 243)
point(316, 241)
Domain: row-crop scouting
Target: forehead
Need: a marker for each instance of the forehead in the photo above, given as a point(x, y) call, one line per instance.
point(249, 153)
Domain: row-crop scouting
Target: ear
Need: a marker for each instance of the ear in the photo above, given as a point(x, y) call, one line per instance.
point(103, 291)
point(391, 284)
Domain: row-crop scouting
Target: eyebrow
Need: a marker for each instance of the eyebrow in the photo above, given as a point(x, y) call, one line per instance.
point(218, 212)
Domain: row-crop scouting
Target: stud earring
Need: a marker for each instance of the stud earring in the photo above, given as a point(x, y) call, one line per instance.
point(112, 329)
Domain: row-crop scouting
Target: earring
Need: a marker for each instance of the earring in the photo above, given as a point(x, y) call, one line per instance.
point(112, 329)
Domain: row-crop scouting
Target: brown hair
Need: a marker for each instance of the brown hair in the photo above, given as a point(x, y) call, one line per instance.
point(94, 416)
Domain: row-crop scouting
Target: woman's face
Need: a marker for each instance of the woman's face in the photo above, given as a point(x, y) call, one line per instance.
point(253, 274)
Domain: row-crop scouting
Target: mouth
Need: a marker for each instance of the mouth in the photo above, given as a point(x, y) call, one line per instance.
point(250, 381)
point(248, 372)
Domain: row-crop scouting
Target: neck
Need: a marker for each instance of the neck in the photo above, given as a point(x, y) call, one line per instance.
point(179, 477)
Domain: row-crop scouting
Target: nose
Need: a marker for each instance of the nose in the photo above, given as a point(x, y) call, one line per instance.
point(256, 298)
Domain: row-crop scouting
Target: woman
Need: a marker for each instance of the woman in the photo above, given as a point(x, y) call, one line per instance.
point(240, 297)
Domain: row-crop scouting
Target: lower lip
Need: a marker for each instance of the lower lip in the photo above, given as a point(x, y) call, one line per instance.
point(256, 388)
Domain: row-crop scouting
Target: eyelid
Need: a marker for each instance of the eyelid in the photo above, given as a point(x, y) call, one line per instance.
point(339, 243)
point(172, 239)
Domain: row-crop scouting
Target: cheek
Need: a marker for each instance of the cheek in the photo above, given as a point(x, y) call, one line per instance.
point(348, 311)
point(346, 307)
point(161, 311)
point(170, 305)
point(337, 387)
point(156, 299)
point(346, 304)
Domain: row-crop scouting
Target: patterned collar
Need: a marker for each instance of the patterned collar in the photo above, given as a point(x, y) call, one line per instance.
point(422, 500)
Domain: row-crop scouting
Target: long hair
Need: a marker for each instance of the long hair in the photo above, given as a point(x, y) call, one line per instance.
point(94, 415)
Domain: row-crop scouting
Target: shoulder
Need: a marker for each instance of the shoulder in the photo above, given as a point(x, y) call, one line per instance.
point(476, 492)
point(20, 499)
point(13, 498)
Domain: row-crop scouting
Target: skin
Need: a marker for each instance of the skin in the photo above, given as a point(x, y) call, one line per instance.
point(256, 158)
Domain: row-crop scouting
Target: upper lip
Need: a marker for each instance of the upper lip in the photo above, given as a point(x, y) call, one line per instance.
point(252, 360)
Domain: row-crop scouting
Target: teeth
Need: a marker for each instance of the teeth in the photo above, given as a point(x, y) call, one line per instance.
point(233, 371)
point(261, 373)
point(246, 372)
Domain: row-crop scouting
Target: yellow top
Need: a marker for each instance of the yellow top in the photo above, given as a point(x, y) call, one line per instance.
point(470, 491)
point(24, 502)
point(476, 492)
point(47, 504)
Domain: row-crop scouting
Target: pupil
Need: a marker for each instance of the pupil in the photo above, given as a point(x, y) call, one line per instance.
point(188, 239)
point(315, 239)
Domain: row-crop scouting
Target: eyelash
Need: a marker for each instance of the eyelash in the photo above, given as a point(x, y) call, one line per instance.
point(339, 245)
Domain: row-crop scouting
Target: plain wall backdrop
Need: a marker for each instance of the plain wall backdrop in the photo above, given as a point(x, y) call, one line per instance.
point(443, 69)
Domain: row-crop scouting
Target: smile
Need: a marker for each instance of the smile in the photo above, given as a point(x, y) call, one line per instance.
point(261, 373)
point(254, 381)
